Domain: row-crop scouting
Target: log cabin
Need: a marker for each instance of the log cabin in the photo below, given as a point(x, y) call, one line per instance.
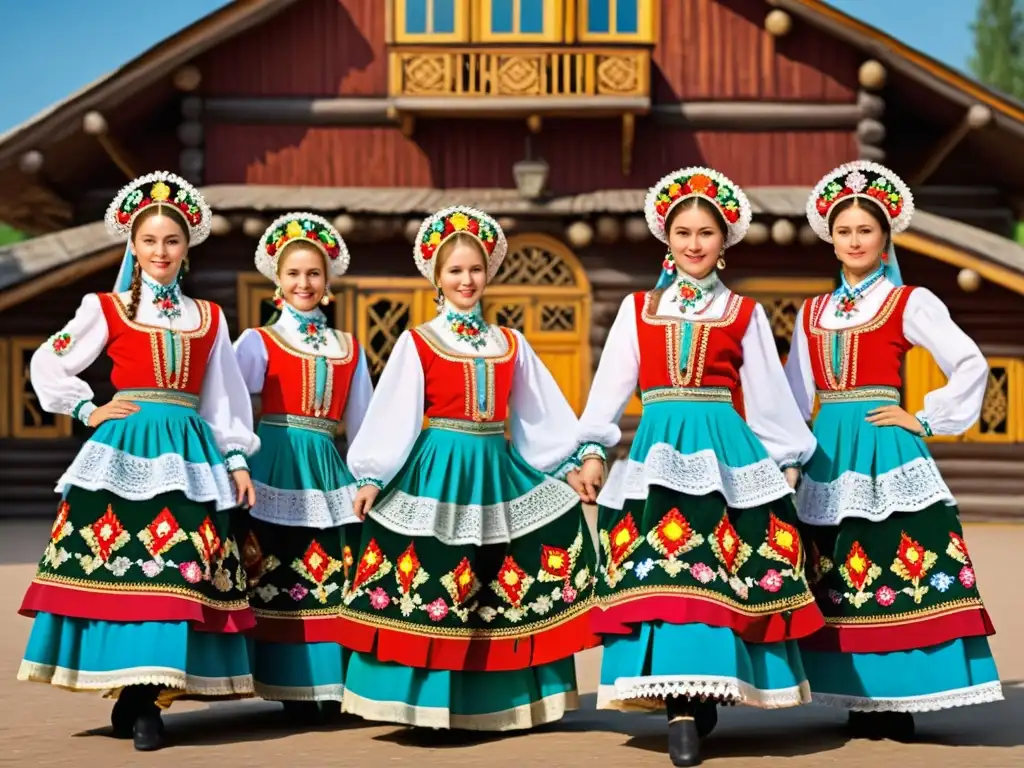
point(553, 115)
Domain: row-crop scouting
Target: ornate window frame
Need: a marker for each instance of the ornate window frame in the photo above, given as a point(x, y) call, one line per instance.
point(17, 394)
point(646, 23)
point(554, 24)
point(461, 29)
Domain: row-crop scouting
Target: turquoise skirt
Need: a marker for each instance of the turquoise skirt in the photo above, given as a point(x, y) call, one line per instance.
point(301, 479)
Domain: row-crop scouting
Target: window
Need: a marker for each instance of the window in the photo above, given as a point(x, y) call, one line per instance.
point(431, 21)
point(27, 418)
point(520, 21)
point(617, 20)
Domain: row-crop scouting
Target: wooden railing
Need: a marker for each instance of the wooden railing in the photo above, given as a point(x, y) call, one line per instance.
point(519, 72)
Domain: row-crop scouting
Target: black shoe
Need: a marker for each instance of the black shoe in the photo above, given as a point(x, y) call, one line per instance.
point(330, 711)
point(705, 718)
point(122, 717)
point(302, 712)
point(862, 725)
point(898, 726)
point(683, 741)
point(148, 733)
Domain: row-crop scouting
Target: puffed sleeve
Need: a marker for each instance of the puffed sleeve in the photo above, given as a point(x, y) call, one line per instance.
point(359, 395)
point(798, 369)
point(771, 412)
point(615, 380)
point(55, 366)
point(224, 403)
point(542, 423)
point(251, 355)
point(396, 413)
point(952, 409)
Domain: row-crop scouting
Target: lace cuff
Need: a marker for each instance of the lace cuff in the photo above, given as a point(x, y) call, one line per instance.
point(925, 425)
point(590, 451)
point(364, 481)
point(793, 464)
point(83, 410)
point(235, 460)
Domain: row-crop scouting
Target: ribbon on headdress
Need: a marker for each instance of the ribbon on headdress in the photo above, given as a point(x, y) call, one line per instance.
point(892, 266)
point(124, 275)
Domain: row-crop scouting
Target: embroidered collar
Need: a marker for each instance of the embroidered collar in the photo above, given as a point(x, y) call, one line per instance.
point(312, 326)
point(469, 327)
point(166, 298)
point(848, 295)
point(693, 295)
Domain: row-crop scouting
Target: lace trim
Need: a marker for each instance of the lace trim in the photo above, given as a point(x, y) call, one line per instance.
point(333, 692)
point(933, 702)
point(911, 487)
point(106, 682)
point(102, 467)
point(306, 509)
point(649, 693)
point(547, 710)
point(458, 524)
point(695, 474)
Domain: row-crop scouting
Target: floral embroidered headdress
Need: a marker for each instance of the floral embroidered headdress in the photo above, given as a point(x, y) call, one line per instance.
point(707, 183)
point(865, 180)
point(868, 181)
point(301, 227)
point(159, 188)
point(439, 227)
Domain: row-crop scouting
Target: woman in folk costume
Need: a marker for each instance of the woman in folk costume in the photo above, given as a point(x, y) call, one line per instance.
point(905, 626)
point(311, 378)
point(140, 592)
point(701, 587)
point(471, 588)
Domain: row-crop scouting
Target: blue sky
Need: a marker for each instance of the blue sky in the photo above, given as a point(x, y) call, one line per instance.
point(51, 48)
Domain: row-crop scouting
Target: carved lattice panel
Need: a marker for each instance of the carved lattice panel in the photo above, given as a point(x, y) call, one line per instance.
point(558, 317)
point(995, 408)
point(534, 264)
point(782, 318)
point(510, 315)
point(28, 419)
point(380, 320)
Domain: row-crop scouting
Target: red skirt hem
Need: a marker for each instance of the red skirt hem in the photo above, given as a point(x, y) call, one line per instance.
point(306, 629)
point(476, 654)
point(132, 607)
point(906, 636)
point(676, 609)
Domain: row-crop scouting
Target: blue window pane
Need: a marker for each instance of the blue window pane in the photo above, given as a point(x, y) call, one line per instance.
point(598, 15)
point(531, 16)
point(415, 17)
point(501, 17)
point(444, 16)
point(627, 17)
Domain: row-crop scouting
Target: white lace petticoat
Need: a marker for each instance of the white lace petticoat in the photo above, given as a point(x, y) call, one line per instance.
point(305, 508)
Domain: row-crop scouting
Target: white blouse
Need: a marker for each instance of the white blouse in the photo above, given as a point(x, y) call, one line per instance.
point(223, 402)
point(770, 412)
point(251, 352)
point(542, 423)
point(949, 410)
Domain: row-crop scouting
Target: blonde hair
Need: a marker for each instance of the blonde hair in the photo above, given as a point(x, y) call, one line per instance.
point(449, 245)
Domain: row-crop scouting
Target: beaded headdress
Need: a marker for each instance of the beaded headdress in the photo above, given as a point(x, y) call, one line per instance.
point(865, 180)
point(439, 227)
point(301, 227)
point(707, 183)
point(159, 188)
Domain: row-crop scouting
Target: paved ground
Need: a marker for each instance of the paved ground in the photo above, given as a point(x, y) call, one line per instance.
point(43, 726)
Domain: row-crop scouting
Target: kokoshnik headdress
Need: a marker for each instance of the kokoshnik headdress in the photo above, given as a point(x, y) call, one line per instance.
point(868, 181)
point(301, 227)
point(155, 189)
point(684, 184)
point(439, 227)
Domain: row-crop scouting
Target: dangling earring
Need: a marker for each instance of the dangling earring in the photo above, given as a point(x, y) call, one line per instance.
point(278, 298)
point(669, 264)
point(327, 298)
point(439, 301)
point(721, 260)
point(184, 270)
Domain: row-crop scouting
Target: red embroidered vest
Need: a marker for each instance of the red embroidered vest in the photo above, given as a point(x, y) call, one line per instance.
point(147, 357)
point(462, 386)
point(870, 355)
point(716, 350)
point(289, 387)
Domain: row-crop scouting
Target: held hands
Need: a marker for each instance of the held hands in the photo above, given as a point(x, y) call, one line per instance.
point(587, 480)
point(894, 416)
point(246, 491)
point(115, 409)
point(365, 497)
point(792, 475)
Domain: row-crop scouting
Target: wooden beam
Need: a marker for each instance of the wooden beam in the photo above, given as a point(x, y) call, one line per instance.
point(60, 277)
point(975, 118)
point(995, 273)
point(758, 115)
point(300, 111)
